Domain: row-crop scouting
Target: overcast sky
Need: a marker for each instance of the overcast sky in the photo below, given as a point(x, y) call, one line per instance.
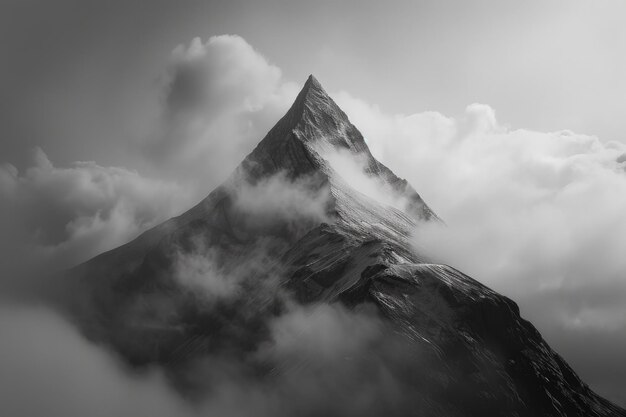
point(75, 66)
point(538, 165)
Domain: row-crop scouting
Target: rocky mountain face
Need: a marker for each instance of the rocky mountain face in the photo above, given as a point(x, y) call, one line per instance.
point(311, 218)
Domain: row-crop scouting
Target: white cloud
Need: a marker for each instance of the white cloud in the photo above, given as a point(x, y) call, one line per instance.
point(278, 199)
point(222, 74)
point(322, 333)
point(537, 216)
point(551, 198)
point(67, 214)
point(222, 97)
point(198, 270)
point(352, 168)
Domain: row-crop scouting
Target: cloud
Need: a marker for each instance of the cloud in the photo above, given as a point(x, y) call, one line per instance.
point(64, 215)
point(334, 361)
point(50, 369)
point(222, 96)
point(260, 213)
point(321, 360)
point(222, 74)
point(278, 199)
point(199, 271)
point(353, 169)
point(537, 216)
point(322, 332)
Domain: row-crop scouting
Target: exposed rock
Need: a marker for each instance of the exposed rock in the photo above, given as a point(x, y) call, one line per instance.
point(483, 358)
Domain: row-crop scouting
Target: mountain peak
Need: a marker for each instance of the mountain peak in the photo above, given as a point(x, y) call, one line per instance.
point(322, 238)
point(316, 136)
point(313, 119)
point(310, 90)
point(312, 83)
point(311, 78)
point(313, 97)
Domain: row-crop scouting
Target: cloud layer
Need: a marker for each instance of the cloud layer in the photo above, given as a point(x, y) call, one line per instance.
point(64, 215)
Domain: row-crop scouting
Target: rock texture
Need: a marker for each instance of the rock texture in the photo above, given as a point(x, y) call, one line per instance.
point(483, 358)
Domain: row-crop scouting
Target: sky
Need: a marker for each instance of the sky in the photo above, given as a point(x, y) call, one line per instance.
point(80, 66)
point(506, 117)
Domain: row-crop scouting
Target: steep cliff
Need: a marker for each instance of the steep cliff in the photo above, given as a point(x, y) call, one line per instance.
point(330, 239)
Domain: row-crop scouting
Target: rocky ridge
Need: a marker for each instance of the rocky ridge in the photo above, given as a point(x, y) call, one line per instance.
point(483, 358)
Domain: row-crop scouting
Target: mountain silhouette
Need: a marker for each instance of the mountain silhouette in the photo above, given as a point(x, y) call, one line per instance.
point(309, 218)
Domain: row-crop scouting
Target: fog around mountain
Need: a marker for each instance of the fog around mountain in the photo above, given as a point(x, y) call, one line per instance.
point(489, 183)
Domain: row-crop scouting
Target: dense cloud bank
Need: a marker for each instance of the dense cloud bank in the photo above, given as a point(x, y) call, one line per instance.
point(537, 216)
point(64, 215)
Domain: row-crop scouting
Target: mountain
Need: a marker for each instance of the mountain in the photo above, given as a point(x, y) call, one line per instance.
point(311, 218)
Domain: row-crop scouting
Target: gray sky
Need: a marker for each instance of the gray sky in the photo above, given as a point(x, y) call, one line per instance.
point(86, 81)
point(76, 72)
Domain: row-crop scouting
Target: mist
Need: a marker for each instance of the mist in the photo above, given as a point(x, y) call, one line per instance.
point(535, 215)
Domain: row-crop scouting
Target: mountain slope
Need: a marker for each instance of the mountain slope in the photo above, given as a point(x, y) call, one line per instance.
point(309, 217)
